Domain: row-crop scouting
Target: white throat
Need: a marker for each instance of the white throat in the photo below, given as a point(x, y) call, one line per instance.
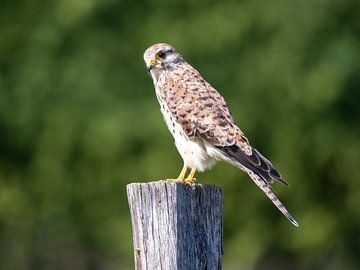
point(155, 74)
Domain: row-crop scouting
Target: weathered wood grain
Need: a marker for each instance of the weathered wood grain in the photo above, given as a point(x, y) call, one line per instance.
point(176, 226)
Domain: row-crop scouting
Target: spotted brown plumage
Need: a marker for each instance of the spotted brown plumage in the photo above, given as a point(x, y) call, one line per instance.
point(201, 124)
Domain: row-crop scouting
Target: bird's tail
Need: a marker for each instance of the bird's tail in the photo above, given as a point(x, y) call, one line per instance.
point(261, 171)
point(266, 188)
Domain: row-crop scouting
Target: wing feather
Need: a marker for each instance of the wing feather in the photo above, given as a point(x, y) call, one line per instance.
point(203, 113)
point(201, 110)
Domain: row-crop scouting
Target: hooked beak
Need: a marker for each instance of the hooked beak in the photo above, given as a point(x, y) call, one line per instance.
point(150, 65)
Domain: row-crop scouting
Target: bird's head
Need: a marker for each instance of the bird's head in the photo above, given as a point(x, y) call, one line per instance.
point(160, 57)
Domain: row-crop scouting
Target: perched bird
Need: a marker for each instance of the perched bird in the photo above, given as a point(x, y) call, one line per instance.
point(201, 124)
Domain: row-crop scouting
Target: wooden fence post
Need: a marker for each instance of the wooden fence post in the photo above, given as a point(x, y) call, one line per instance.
point(176, 226)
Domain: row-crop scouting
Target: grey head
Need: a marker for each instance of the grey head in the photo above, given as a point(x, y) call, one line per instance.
point(161, 57)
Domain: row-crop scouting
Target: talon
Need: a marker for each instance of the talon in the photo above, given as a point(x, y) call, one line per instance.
point(182, 174)
point(181, 178)
point(189, 180)
point(175, 180)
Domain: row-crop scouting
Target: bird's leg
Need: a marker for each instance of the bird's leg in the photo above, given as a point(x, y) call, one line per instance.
point(182, 173)
point(190, 179)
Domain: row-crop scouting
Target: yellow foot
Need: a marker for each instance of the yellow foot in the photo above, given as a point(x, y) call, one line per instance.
point(181, 176)
point(189, 180)
point(186, 180)
point(175, 179)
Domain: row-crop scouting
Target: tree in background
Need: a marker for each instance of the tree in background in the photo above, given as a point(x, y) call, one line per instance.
point(79, 120)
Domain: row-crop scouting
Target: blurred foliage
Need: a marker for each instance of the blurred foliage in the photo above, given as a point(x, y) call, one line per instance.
point(79, 120)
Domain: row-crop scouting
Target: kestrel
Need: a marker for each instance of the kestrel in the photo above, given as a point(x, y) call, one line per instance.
point(201, 124)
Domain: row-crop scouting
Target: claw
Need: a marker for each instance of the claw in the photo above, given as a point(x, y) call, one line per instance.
point(181, 178)
point(189, 180)
point(182, 173)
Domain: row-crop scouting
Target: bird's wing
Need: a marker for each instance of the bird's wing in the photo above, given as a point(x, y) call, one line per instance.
point(202, 112)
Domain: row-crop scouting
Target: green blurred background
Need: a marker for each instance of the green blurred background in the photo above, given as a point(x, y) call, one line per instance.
point(79, 120)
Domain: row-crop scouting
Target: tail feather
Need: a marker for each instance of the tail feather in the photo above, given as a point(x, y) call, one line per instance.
point(255, 162)
point(261, 171)
point(265, 187)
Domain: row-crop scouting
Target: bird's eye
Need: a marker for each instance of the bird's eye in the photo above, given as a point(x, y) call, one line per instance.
point(162, 55)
